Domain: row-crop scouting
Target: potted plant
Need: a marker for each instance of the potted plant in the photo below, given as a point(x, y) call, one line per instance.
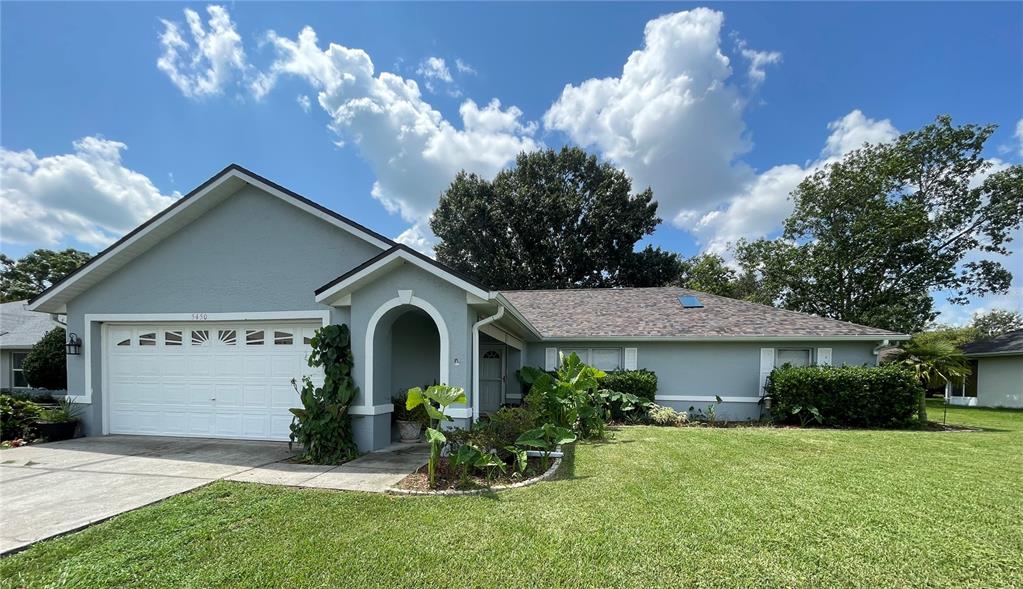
point(410, 421)
point(58, 422)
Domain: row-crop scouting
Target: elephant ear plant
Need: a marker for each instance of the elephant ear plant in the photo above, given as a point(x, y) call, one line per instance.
point(435, 400)
point(545, 439)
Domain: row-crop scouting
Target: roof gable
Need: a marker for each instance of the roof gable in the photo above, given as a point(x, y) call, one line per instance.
point(183, 211)
point(385, 262)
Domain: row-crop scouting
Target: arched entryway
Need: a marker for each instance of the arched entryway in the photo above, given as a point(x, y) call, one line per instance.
point(406, 346)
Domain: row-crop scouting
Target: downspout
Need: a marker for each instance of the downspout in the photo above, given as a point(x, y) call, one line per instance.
point(877, 351)
point(476, 359)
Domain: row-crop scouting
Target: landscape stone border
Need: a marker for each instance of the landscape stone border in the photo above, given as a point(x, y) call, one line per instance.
point(454, 492)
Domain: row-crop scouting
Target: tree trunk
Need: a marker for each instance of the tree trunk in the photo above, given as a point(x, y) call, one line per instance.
point(922, 413)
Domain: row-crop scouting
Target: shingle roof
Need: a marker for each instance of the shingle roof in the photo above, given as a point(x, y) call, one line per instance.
point(20, 328)
point(1007, 343)
point(656, 312)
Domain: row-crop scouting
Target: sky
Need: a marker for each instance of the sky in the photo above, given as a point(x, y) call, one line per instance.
point(110, 111)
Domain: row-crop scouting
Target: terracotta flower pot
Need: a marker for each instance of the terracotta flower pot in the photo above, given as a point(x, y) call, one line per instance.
point(409, 431)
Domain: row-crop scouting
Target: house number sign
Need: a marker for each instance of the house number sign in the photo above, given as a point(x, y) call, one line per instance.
point(199, 316)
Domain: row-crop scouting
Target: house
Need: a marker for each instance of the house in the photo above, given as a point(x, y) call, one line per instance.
point(196, 322)
point(997, 379)
point(20, 329)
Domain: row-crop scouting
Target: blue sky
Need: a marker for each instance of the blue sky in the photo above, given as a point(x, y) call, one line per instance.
point(722, 109)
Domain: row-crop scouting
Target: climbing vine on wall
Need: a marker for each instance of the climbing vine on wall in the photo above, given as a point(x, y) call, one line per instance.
point(322, 426)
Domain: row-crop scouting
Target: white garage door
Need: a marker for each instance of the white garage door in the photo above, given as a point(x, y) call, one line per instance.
point(221, 380)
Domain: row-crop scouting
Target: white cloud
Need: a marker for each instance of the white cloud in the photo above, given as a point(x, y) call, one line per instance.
point(414, 151)
point(88, 195)
point(303, 101)
point(757, 61)
point(464, 68)
point(1019, 136)
point(672, 119)
point(207, 64)
point(419, 237)
point(434, 68)
point(762, 205)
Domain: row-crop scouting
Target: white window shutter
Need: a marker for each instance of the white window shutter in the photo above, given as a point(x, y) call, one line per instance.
point(551, 362)
point(824, 356)
point(631, 358)
point(766, 366)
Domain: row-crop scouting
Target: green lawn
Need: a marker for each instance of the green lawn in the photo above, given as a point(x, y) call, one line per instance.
point(654, 507)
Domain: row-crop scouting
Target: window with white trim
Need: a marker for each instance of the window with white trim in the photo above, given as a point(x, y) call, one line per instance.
point(793, 357)
point(601, 358)
point(17, 373)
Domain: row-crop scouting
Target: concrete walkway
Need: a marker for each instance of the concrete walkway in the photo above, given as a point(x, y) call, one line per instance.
point(51, 489)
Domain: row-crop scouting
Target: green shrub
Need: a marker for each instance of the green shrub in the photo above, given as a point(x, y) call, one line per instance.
point(848, 396)
point(45, 365)
point(639, 383)
point(666, 416)
point(16, 417)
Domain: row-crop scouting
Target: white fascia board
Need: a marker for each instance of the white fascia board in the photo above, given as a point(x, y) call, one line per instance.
point(717, 338)
point(350, 283)
point(191, 202)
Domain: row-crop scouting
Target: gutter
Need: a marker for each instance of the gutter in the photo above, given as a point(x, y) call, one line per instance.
point(476, 358)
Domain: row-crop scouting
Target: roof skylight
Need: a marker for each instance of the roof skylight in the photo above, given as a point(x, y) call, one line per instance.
point(690, 302)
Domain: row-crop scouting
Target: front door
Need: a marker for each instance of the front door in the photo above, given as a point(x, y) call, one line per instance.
point(491, 377)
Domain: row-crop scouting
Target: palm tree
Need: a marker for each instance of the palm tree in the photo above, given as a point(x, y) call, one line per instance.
point(935, 363)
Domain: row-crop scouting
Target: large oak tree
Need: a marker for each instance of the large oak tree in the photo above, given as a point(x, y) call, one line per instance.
point(874, 234)
point(556, 219)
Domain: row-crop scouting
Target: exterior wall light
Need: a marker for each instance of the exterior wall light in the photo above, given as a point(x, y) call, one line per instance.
point(74, 345)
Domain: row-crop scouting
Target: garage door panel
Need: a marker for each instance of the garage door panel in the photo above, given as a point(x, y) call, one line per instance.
point(228, 366)
point(211, 383)
point(200, 365)
point(256, 396)
point(257, 365)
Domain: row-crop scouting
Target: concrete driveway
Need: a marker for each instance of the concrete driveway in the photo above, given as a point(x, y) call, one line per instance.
point(52, 489)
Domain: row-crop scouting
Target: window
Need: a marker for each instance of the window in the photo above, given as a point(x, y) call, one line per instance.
point(17, 374)
point(792, 357)
point(283, 338)
point(200, 337)
point(253, 337)
point(125, 342)
point(172, 338)
point(600, 358)
point(147, 339)
point(228, 337)
point(606, 358)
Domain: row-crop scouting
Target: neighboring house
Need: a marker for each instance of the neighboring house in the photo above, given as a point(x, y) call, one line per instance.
point(997, 377)
point(20, 329)
point(196, 322)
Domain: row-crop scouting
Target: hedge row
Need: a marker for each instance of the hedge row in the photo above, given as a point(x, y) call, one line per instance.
point(848, 396)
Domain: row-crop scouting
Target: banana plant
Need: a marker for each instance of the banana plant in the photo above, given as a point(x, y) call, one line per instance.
point(435, 400)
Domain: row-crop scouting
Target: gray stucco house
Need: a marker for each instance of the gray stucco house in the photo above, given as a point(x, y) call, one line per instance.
point(195, 323)
point(997, 379)
point(20, 329)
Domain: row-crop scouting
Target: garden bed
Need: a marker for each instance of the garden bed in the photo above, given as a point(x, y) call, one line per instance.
point(450, 483)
